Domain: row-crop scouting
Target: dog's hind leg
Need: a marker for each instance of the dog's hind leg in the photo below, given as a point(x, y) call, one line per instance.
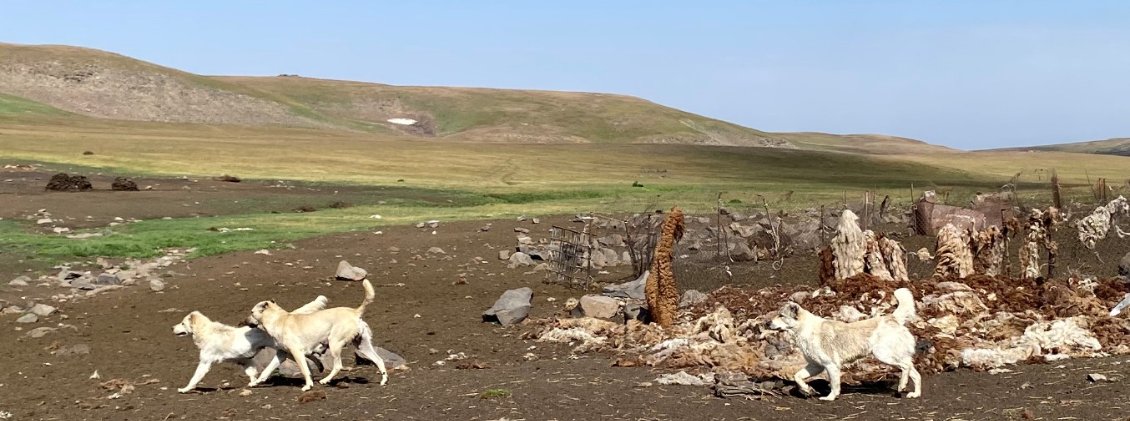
point(834, 379)
point(335, 352)
point(270, 368)
point(804, 373)
point(916, 378)
point(365, 348)
point(201, 370)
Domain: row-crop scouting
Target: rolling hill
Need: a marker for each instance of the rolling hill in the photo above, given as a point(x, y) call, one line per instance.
point(1117, 146)
point(82, 82)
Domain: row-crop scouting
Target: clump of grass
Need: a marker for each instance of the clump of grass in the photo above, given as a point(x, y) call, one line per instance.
point(495, 394)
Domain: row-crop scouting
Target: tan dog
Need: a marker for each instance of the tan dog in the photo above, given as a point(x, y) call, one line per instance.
point(298, 334)
point(829, 344)
point(219, 342)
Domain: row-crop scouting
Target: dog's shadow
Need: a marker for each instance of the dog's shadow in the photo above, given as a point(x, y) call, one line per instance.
point(299, 382)
point(823, 388)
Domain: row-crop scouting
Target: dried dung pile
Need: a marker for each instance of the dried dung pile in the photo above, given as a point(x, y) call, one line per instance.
point(67, 182)
point(979, 322)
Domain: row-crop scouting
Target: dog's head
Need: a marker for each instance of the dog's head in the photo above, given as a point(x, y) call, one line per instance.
point(787, 317)
point(185, 327)
point(256, 316)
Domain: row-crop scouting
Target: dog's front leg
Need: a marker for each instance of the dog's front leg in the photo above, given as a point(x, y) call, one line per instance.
point(270, 368)
point(201, 370)
point(804, 373)
point(834, 379)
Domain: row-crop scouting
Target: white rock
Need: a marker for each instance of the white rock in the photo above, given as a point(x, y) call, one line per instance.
point(156, 285)
point(600, 306)
point(42, 310)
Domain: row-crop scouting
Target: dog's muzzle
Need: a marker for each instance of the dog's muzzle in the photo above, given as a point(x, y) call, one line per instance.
point(180, 331)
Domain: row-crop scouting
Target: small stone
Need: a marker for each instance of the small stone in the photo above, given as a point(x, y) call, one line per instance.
point(42, 310)
point(40, 332)
point(156, 285)
point(67, 351)
point(108, 279)
point(503, 254)
point(535, 221)
point(20, 281)
point(28, 318)
point(349, 272)
point(436, 250)
point(1096, 377)
point(522, 230)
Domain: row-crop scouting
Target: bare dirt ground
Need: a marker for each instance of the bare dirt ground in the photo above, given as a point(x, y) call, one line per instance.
point(423, 314)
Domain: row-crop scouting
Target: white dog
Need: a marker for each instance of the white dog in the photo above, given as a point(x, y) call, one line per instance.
point(298, 334)
point(219, 342)
point(829, 344)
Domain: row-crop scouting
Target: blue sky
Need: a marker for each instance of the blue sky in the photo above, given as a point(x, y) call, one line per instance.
point(967, 74)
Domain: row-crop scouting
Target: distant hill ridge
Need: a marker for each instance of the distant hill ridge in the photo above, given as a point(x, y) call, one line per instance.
point(83, 82)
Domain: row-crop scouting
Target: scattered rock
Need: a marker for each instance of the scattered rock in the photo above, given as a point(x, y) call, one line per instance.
point(691, 297)
point(348, 272)
point(40, 332)
point(512, 307)
point(68, 351)
point(522, 230)
point(742, 253)
point(436, 250)
point(28, 318)
point(156, 285)
point(1124, 267)
point(42, 310)
point(600, 306)
point(20, 281)
point(107, 279)
point(485, 228)
point(123, 184)
point(519, 259)
point(535, 221)
point(1096, 377)
point(504, 254)
point(632, 289)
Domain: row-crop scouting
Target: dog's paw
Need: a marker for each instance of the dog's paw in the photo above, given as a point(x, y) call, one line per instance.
point(326, 380)
point(308, 386)
point(914, 394)
point(828, 398)
point(384, 379)
point(185, 389)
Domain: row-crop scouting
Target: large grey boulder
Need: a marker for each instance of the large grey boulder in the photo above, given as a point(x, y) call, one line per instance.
point(741, 252)
point(512, 307)
point(348, 272)
point(691, 297)
point(519, 259)
point(632, 289)
point(600, 306)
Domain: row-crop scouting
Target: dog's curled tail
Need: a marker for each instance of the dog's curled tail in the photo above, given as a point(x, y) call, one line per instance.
point(905, 310)
point(370, 294)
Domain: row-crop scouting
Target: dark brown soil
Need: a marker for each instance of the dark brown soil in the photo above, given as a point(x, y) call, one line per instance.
point(425, 319)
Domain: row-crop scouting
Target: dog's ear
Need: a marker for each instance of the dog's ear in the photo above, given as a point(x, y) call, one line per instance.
point(790, 309)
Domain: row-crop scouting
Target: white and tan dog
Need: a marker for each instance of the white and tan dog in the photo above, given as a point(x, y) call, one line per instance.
point(828, 345)
point(219, 342)
point(298, 334)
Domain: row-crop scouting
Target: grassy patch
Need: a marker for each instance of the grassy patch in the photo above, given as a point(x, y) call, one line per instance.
point(495, 394)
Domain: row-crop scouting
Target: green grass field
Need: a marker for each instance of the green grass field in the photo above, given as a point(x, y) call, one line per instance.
point(493, 153)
